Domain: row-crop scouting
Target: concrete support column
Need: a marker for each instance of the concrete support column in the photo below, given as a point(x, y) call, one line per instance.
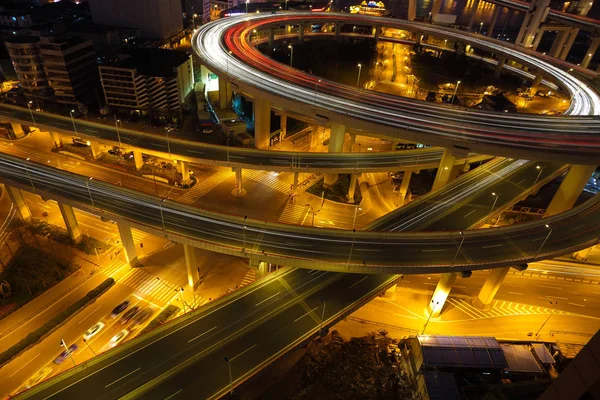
point(17, 129)
point(238, 191)
point(191, 265)
point(442, 290)
point(352, 187)
point(568, 43)
point(404, 187)
point(582, 255)
point(70, 221)
point(394, 145)
point(338, 31)
point(499, 66)
point(412, 10)
point(537, 40)
point(585, 9)
point(314, 137)
point(336, 145)
point(443, 173)
point(16, 196)
point(95, 147)
point(262, 123)
point(537, 81)
point(283, 125)
point(225, 93)
point(295, 185)
point(472, 16)
point(539, 10)
point(558, 44)
point(301, 32)
point(376, 32)
point(490, 287)
point(570, 189)
point(139, 160)
point(128, 243)
point(260, 267)
point(55, 139)
point(435, 9)
point(495, 15)
point(352, 142)
point(589, 54)
point(523, 28)
point(184, 169)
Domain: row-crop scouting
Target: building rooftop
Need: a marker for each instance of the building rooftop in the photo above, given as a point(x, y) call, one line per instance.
point(22, 39)
point(153, 62)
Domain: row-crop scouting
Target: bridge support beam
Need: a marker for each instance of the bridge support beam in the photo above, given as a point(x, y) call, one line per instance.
point(128, 243)
point(352, 187)
point(535, 85)
point(412, 10)
point(314, 137)
point(70, 221)
point(591, 51)
point(499, 66)
point(570, 189)
point(17, 129)
point(404, 187)
point(16, 196)
point(260, 267)
point(495, 15)
point(184, 169)
point(301, 32)
point(95, 147)
point(191, 265)
point(376, 32)
point(238, 191)
point(435, 9)
point(271, 34)
point(336, 145)
point(536, 15)
point(444, 170)
point(490, 287)
point(558, 44)
point(283, 125)
point(472, 16)
point(225, 93)
point(338, 31)
point(262, 123)
point(572, 35)
point(55, 139)
point(442, 290)
point(138, 159)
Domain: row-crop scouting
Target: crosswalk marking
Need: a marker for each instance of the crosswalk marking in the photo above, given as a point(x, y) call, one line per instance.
point(203, 186)
point(500, 309)
point(249, 278)
point(292, 214)
point(146, 284)
point(268, 179)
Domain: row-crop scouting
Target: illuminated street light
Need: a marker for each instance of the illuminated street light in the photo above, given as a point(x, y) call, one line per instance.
point(29, 104)
point(480, 26)
point(28, 175)
point(545, 240)
point(433, 307)
point(87, 184)
point(316, 88)
point(162, 215)
point(194, 20)
point(539, 173)
point(117, 128)
point(244, 248)
point(73, 120)
point(495, 200)
point(351, 247)
point(227, 360)
point(455, 91)
point(458, 250)
point(291, 54)
point(547, 319)
point(358, 79)
point(322, 318)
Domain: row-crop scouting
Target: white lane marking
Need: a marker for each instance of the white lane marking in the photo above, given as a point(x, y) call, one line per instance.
point(174, 394)
point(305, 314)
point(578, 305)
point(241, 158)
point(157, 144)
point(195, 151)
point(551, 287)
point(469, 213)
point(432, 250)
point(519, 294)
point(243, 352)
point(578, 227)
point(24, 365)
point(61, 123)
point(123, 377)
point(491, 246)
point(96, 309)
point(357, 282)
point(267, 299)
point(91, 130)
point(202, 334)
point(521, 181)
point(554, 297)
point(366, 249)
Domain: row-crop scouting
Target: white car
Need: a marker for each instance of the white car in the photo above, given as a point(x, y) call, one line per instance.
point(93, 331)
point(38, 377)
point(118, 338)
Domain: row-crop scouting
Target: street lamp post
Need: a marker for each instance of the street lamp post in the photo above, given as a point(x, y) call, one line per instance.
point(228, 137)
point(117, 121)
point(87, 184)
point(168, 144)
point(455, 91)
point(354, 219)
point(88, 345)
point(162, 216)
point(539, 173)
point(358, 79)
point(458, 250)
point(73, 120)
point(480, 27)
point(69, 352)
point(29, 104)
point(182, 299)
point(351, 247)
point(194, 20)
point(247, 1)
point(316, 88)
point(312, 209)
point(229, 365)
point(495, 200)
point(545, 240)
point(430, 314)
point(322, 318)
point(286, 5)
point(28, 174)
point(291, 54)
point(244, 248)
point(547, 319)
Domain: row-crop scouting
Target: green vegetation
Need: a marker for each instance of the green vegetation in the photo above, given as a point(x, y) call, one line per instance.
point(49, 326)
point(161, 318)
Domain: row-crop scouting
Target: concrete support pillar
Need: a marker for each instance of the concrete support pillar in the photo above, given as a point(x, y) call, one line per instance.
point(539, 10)
point(238, 191)
point(260, 267)
point(499, 67)
point(283, 125)
point(352, 142)
point(523, 28)
point(338, 31)
point(301, 32)
point(582, 255)
point(490, 287)
point(352, 187)
point(444, 170)
point(495, 15)
point(442, 290)
point(412, 10)
point(70, 221)
point(295, 184)
point(95, 147)
point(391, 291)
point(139, 160)
point(404, 187)
point(589, 54)
point(128, 243)
point(568, 43)
point(394, 145)
point(262, 123)
point(336, 145)
point(570, 189)
point(537, 81)
point(537, 40)
point(191, 265)
point(16, 196)
point(55, 139)
point(558, 44)
point(472, 16)
point(17, 129)
point(435, 9)
point(184, 170)
point(225, 93)
point(314, 137)
point(585, 8)
point(376, 32)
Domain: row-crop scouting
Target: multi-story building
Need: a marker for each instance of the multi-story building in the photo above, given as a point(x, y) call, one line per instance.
point(24, 52)
point(148, 80)
point(156, 19)
point(15, 22)
point(71, 69)
point(211, 9)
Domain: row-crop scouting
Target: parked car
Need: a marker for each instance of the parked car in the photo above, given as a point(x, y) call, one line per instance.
point(119, 309)
point(141, 317)
point(93, 331)
point(63, 356)
point(118, 338)
point(207, 130)
point(81, 142)
point(129, 314)
point(115, 151)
